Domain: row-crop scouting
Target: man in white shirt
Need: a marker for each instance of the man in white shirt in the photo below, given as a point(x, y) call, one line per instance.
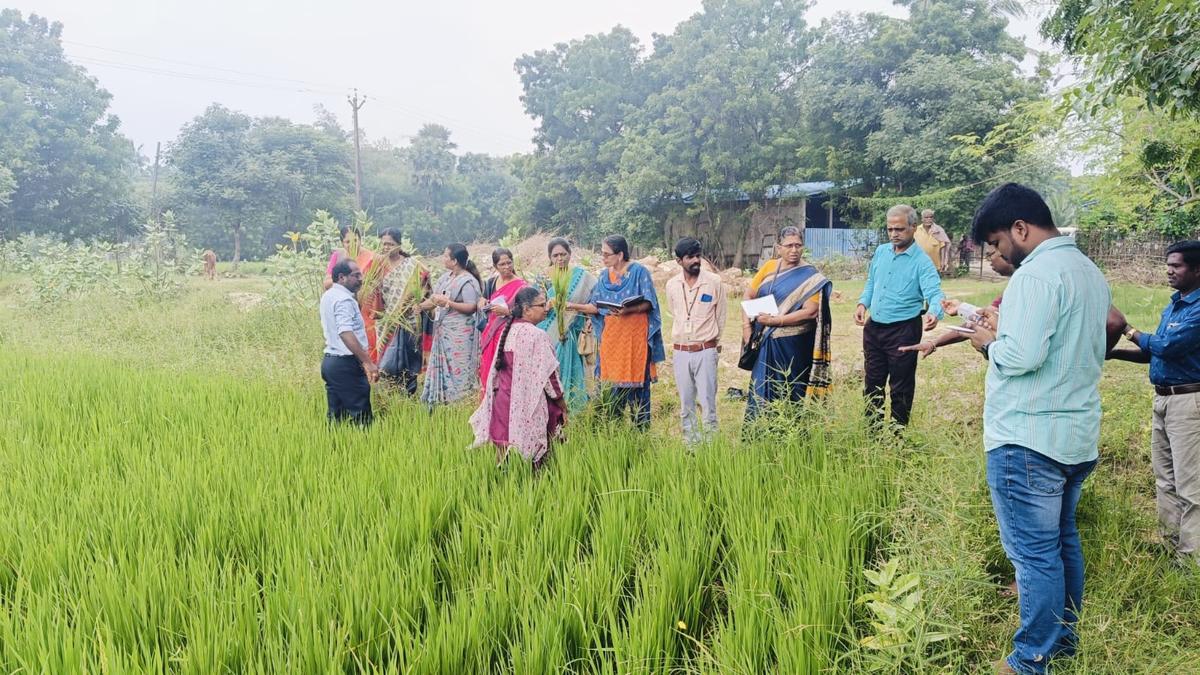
point(347, 369)
point(696, 300)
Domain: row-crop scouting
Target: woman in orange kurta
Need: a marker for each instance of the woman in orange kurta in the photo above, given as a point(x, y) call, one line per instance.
point(628, 327)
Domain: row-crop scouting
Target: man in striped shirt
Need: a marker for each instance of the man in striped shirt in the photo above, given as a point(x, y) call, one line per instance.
point(1041, 413)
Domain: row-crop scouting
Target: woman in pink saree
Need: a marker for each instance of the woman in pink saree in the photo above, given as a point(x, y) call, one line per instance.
point(499, 292)
point(523, 405)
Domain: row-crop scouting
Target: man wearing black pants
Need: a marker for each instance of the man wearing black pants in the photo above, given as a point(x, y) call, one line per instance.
point(347, 369)
point(902, 285)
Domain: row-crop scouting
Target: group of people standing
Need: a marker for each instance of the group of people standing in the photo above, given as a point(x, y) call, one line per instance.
point(383, 316)
point(1045, 341)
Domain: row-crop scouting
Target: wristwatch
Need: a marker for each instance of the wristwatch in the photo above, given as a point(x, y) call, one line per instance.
point(984, 349)
point(1129, 332)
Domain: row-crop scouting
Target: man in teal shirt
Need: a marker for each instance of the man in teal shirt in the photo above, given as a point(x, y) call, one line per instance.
point(1041, 416)
point(902, 283)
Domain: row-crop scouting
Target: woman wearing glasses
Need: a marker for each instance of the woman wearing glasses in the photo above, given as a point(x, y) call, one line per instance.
point(523, 404)
point(793, 359)
point(628, 327)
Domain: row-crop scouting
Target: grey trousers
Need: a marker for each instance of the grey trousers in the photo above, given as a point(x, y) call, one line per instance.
point(1175, 456)
point(696, 379)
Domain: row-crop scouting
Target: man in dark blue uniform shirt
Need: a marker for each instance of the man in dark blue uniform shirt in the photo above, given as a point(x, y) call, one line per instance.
point(1173, 352)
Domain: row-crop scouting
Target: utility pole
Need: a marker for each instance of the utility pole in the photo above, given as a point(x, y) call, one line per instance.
point(154, 189)
point(356, 104)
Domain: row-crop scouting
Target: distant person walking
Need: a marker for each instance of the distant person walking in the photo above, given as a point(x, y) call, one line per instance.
point(523, 405)
point(966, 252)
point(934, 241)
point(696, 299)
point(625, 315)
point(564, 323)
point(347, 368)
point(1041, 413)
point(1173, 352)
point(453, 369)
point(902, 285)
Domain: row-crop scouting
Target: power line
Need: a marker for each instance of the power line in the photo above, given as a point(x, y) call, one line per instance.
point(205, 67)
point(151, 70)
point(297, 85)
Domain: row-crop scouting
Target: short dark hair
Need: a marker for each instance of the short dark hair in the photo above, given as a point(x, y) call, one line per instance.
point(499, 253)
point(557, 241)
point(618, 244)
point(341, 269)
point(1189, 249)
point(687, 246)
point(1006, 205)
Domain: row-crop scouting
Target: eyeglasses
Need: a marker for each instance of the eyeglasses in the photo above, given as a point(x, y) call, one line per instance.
point(538, 304)
point(791, 246)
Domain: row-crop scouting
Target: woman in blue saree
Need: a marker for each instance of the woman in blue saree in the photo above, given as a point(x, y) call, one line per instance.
point(793, 361)
point(566, 284)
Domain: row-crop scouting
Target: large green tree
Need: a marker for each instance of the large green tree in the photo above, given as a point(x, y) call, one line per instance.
point(64, 166)
point(887, 99)
point(1143, 48)
point(1138, 105)
point(580, 93)
point(241, 182)
point(721, 114)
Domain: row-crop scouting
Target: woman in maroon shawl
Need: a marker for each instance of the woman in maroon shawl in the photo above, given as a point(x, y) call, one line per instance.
point(523, 404)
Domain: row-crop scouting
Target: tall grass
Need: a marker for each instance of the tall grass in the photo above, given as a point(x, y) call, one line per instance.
point(204, 523)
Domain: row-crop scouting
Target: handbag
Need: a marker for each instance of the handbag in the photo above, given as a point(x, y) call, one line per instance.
point(750, 350)
point(586, 345)
point(481, 318)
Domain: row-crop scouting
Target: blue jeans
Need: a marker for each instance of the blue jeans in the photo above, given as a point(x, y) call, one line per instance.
point(1035, 498)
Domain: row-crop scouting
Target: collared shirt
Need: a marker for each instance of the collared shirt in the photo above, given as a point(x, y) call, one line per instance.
point(1175, 347)
point(899, 285)
point(697, 312)
point(340, 314)
point(1043, 379)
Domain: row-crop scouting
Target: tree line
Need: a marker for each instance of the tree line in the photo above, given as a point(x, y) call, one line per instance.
point(740, 98)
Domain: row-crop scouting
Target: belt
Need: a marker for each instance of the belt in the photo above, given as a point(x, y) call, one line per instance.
point(339, 356)
point(695, 346)
point(1163, 390)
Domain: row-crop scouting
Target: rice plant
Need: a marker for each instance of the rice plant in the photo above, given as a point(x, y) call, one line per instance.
point(197, 523)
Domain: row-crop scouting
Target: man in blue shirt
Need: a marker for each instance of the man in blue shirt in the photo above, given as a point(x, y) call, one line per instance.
point(1041, 413)
point(347, 368)
point(1173, 352)
point(901, 283)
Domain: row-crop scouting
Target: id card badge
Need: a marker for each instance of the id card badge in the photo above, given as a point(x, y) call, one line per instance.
point(687, 327)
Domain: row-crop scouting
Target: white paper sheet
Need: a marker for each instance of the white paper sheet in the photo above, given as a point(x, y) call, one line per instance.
point(763, 305)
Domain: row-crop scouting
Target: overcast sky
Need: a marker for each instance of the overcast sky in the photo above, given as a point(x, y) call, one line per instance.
point(444, 61)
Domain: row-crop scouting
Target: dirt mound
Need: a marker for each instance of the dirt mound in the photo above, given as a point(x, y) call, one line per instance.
point(530, 254)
